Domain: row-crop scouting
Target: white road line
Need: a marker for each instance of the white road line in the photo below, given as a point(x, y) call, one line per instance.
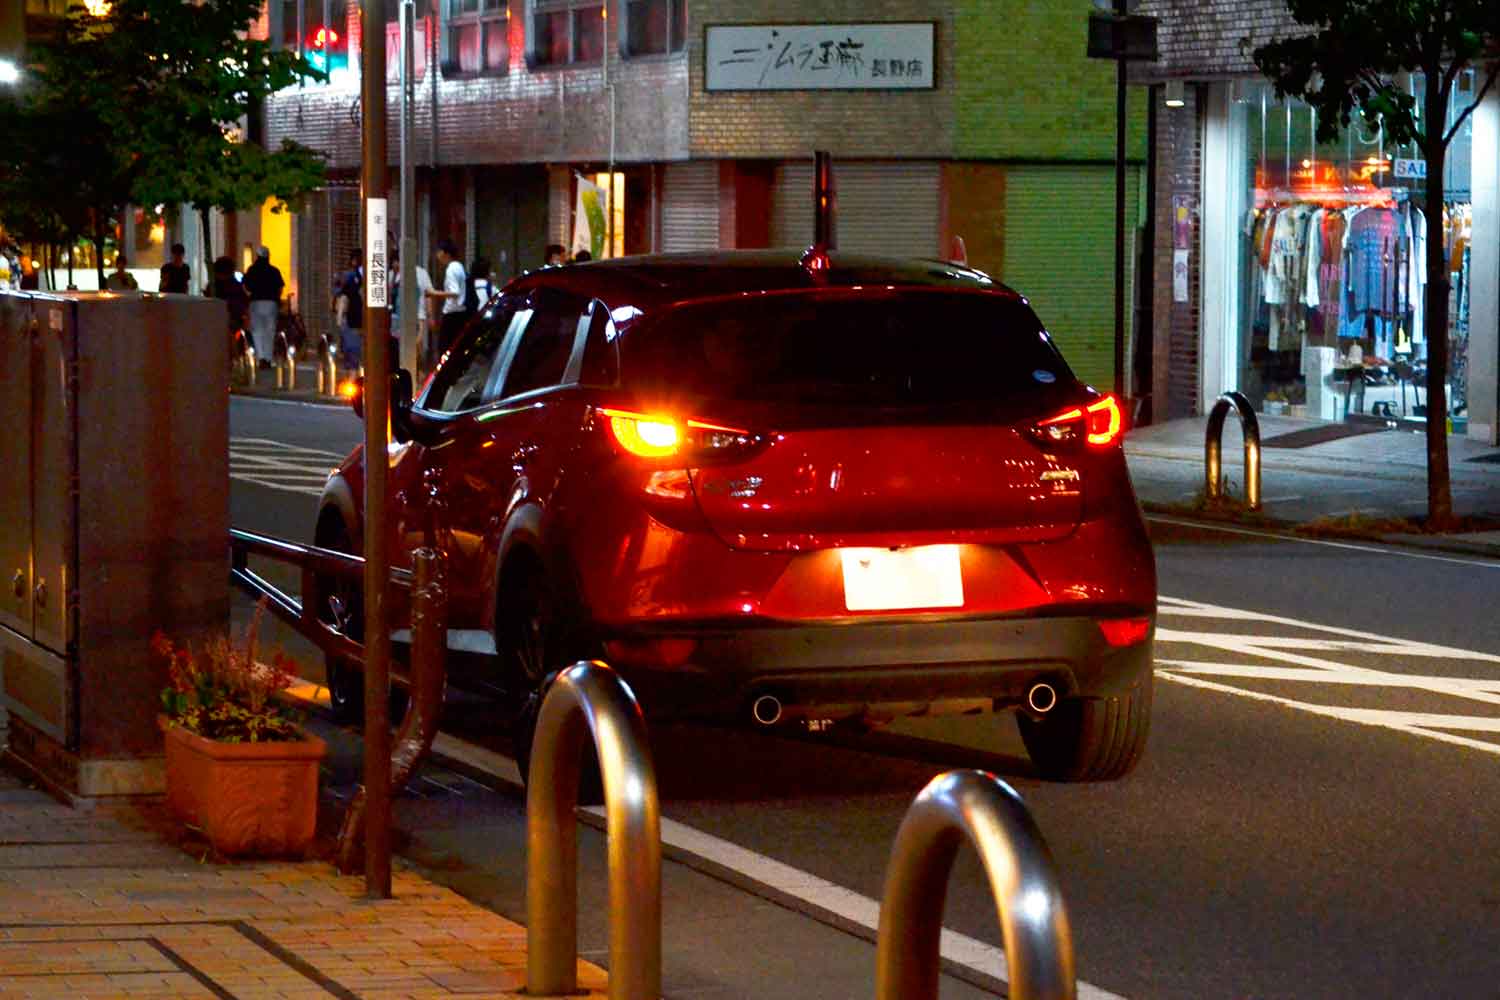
point(282, 446)
point(782, 878)
point(1383, 720)
point(272, 484)
point(1316, 676)
point(1370, 549)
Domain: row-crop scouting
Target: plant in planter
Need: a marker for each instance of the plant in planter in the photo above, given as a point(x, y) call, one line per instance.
point(239, 765)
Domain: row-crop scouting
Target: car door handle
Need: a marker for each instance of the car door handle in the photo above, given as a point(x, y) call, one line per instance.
point(522, 455)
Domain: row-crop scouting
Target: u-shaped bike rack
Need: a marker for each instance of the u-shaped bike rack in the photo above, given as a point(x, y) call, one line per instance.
point(1213, 458)
point(979, 808)
point(588, 700)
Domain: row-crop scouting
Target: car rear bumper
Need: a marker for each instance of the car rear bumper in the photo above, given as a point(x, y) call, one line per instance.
point(849, 667)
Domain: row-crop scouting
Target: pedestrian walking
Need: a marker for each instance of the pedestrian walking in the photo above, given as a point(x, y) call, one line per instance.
point(175, 273)
point(455, 287)
point(349, 308)
point(424, 285)
point(120, 280)
point(557, 255)
point(227, 286)
point(263, 284)
point(480, 288)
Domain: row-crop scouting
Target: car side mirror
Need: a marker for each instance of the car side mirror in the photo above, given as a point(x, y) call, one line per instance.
point(356, 391)
point(401, 393)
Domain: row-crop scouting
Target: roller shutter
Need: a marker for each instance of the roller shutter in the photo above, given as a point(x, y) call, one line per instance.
point(889, 208)
point(1060, 251)
point(690, 207)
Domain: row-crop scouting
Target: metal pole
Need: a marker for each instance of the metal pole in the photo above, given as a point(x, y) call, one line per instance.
point(1120, 110)
point(972, 806)
point(1213, 448)
point(823, 201)
point(409, 291)
point(377, 431)
point(588, 698)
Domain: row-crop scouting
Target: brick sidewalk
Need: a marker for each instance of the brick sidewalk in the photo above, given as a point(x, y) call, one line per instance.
point(100, 904)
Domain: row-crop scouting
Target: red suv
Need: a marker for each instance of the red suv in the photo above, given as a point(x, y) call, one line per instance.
point(770, 486)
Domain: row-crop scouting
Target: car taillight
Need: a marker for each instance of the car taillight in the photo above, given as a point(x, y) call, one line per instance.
point(1099, 423)
point(651, 435)
point(1125, 631)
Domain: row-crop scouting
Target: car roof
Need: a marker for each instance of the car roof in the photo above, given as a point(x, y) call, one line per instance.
point(658, 280)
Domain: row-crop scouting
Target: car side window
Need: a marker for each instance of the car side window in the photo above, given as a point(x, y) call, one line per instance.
point(541, 358)
point(601, 352)
point(460, 384)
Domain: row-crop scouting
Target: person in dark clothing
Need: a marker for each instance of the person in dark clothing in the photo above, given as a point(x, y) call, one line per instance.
point(175, 274)
point(227, 287)
point(263, 283)
point(349, 306)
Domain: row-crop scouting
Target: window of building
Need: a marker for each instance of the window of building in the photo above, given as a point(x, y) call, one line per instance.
point(564, 32)
point(653, 27)
point(477, 37)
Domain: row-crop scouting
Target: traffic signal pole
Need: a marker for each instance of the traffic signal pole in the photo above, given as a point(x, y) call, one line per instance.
point(377, 393)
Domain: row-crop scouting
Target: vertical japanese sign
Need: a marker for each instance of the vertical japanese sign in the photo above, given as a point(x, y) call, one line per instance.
point(377, 260)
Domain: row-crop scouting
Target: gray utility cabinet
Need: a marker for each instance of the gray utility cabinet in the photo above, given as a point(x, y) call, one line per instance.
point(114, 521)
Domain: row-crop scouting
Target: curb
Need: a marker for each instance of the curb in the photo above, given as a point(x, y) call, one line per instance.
point(1289, 530)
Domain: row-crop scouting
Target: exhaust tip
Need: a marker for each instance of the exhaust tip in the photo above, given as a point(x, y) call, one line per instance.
point(1041, 697)
point(766, 710)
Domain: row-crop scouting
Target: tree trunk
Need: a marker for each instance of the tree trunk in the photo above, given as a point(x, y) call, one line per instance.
point(99, 246)
point(1439, 493)
point(208, 246)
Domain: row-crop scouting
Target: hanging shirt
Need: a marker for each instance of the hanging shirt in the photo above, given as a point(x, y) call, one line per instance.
point(1372, 238)
point(1282, 264)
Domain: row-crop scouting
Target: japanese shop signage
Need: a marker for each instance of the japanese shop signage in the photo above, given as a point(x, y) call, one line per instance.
point(376, 260)
point(819, 57)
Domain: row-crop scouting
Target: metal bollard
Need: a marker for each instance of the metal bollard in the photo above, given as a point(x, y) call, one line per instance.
point(1213, 459)
point(249, 357)
point(291, 368)
point(419, 726)
point(980, 808)
point(589, 699)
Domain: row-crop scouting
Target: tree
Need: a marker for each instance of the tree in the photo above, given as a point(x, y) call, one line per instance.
point(1354, 63)
point(146, 103)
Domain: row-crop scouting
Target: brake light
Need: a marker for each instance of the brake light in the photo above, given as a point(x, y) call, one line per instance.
point(1125, 631)
point(1099, 423)
point(649, 435)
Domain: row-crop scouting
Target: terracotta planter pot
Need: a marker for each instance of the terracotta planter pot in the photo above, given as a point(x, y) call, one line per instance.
point(248, 798)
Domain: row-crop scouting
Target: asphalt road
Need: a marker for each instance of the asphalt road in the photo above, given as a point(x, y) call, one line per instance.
point(1315, 815)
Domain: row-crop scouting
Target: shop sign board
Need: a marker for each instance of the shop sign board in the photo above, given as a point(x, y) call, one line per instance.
point(874, 56)
point(1410, 170)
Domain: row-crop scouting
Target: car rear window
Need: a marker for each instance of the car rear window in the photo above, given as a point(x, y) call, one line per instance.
point(882, 349)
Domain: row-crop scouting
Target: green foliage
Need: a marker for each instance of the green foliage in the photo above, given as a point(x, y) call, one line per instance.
point(1352, 62)
point(144, 105)
point(225, 693)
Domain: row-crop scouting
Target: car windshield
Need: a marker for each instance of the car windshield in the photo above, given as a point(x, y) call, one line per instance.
point(883, 349)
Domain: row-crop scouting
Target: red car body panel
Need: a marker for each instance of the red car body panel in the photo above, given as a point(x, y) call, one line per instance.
point(715, 568)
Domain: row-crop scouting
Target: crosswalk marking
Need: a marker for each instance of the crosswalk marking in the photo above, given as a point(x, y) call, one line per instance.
point(280, 466)
point(1292, 663)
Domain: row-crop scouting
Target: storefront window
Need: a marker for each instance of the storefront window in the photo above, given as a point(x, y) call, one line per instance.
point(477, 37)
point(1332, 275)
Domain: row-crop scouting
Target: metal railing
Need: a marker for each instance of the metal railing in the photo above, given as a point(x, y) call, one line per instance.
point(1213, 449)
point(589, 700)
point(979, 808)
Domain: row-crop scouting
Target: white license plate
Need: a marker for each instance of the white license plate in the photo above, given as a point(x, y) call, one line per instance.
point(928, 576)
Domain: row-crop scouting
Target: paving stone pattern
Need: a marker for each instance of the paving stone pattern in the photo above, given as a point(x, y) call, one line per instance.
point(94, 905)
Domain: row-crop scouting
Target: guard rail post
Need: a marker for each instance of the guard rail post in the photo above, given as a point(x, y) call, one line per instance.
point(588, 699)
point(1213, 452)
point(419, 726)
point(979, 808)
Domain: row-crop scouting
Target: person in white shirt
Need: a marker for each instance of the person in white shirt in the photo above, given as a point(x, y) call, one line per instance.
point(424, 285)
point(455, 282)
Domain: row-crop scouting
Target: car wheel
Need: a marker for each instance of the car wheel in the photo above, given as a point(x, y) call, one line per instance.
point(343, 607)
point(1090, 739)
point(534, 644)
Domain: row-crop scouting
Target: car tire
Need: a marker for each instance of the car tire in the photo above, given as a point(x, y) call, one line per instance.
point(533, 645)
point(345, 681)
point(1090, 739)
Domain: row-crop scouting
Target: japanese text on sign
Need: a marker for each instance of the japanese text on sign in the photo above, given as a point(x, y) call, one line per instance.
point(376, 258)
point(819, 57)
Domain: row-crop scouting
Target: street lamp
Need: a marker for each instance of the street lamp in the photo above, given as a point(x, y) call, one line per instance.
point(10, 73)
